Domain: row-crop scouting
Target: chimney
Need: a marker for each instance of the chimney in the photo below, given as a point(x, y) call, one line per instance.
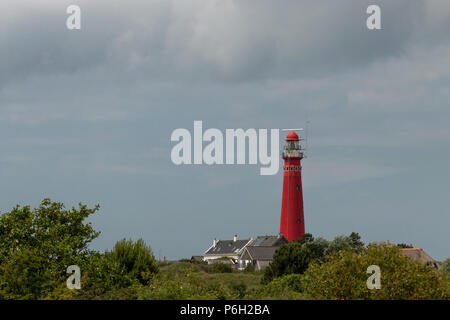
point(235, 238)
point(214, 242)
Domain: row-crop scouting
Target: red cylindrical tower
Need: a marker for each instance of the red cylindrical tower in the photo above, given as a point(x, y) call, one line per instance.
point(292, 224)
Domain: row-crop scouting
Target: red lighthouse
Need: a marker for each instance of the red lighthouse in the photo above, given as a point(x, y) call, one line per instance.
point(292, 224)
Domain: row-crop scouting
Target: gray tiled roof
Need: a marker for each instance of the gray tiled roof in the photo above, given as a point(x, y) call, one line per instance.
point(268, 241)
point(260, 253)
point(224, 247)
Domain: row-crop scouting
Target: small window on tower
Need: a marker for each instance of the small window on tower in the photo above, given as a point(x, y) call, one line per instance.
point(297, 187)
point(298, 221)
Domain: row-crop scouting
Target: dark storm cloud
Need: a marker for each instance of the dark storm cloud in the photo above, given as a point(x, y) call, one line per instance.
point(209, 40)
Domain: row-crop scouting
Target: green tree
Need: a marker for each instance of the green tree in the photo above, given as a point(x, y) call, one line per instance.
point(339, 243)
point(355, 242)
point(344, 276)
point(38, 244)
point(292, 257)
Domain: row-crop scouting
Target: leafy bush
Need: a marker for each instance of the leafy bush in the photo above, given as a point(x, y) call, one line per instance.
point(286, 287)
point(220, 268)
point(188, 285)
point(26, 276)
point(446, 267)
point(134, 259)
point(344, 276)
point(114, 275)
point(102, 274)
point(239, 289)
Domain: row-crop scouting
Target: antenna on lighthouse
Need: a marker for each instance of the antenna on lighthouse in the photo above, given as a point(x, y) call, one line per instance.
point(306, 134)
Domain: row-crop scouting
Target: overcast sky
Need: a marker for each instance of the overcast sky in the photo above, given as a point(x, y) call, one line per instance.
point(86, 115)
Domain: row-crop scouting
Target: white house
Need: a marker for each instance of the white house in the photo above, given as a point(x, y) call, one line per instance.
point(225, 251)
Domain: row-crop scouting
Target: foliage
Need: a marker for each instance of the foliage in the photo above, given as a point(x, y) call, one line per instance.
point(286, 287)
point(344, 276)
point(134, 259)
point(355, 241)
point(181, 280)
point(37, 245)
point(294, 257)
point(446, 267)
point(59, 235)
point(220, 268)
point(185, 284)
point(240, 289)
point(100, 275)
point(25, 276)
point(116, 274)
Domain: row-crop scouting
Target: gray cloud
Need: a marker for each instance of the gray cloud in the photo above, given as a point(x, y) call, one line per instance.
point(209, 40)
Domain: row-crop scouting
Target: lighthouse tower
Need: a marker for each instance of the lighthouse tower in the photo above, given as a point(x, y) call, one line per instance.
point(292, 224)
